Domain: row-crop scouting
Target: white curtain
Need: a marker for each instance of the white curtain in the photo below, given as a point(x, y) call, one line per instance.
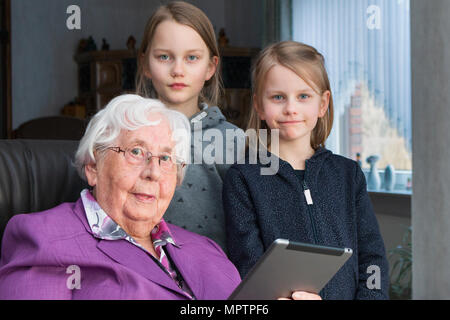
point(366, 40)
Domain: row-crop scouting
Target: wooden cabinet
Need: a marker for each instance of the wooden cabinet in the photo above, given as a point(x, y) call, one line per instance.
point(236, 75)
point(103, 75)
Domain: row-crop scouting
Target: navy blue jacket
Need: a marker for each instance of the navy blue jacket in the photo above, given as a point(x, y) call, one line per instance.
point(261, 208)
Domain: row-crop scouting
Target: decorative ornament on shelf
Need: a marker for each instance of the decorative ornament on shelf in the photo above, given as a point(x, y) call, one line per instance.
point(358, 159)
point(389, 178)
point(105, 45)
point(374, 180)
point(223, 40)
point(91, 45)
point(409, 185)
point(74, 108)
point(131, 42)
point(82, 45)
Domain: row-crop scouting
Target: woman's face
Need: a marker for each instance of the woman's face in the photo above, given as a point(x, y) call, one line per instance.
point(132, 194)
point(179, 63)
point(290, 104)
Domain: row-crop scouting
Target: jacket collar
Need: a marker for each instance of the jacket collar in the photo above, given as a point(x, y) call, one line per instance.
point(136, 259)
point(311, 166)
point(104, 227)
point(188, 267)
point(81, 214)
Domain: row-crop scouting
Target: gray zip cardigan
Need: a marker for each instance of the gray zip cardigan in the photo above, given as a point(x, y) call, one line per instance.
point(261, 208)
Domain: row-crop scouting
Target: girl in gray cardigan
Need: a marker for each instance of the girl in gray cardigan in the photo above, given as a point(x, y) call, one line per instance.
point(197, 203)
point(178, 63)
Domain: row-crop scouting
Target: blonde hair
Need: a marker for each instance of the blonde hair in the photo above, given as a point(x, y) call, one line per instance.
point(309, 65)
point(191, 16)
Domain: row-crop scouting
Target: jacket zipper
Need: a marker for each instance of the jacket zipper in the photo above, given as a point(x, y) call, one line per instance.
point(309, 203)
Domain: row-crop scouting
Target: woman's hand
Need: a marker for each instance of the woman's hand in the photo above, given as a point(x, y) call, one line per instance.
point(302, 295)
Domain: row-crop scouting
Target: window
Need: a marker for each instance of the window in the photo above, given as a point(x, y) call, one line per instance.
point(366, 45)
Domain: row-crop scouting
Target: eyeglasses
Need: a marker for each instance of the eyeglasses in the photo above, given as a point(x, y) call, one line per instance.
point(140, 157)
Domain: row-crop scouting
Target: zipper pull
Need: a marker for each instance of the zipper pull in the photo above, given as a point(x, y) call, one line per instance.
point(307, 193)
point(308, 197)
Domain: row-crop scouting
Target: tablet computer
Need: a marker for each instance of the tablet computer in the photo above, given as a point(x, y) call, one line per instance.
point(289, 266)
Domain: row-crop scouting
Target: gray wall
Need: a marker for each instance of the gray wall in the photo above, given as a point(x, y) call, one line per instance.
point(244, 22)
point(430, 46)
point(44, 74)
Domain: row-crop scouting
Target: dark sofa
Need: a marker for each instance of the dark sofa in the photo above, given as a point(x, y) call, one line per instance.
point(36, 175)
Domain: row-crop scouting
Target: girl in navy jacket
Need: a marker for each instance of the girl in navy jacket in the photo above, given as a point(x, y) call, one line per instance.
point(315, 196)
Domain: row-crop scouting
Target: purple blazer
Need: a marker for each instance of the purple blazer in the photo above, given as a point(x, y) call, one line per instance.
point(39, 248)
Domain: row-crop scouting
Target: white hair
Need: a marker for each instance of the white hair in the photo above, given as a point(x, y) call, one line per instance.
point(131, 112)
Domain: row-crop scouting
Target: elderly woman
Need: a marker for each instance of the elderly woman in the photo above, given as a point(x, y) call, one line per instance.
point(113, 243)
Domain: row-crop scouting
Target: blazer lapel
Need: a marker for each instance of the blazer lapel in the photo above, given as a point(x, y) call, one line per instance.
point(186, 265)
point(131, 256)
point(137, 260)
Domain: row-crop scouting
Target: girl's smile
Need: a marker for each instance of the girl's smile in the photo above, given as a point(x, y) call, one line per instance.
point(292, 122)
